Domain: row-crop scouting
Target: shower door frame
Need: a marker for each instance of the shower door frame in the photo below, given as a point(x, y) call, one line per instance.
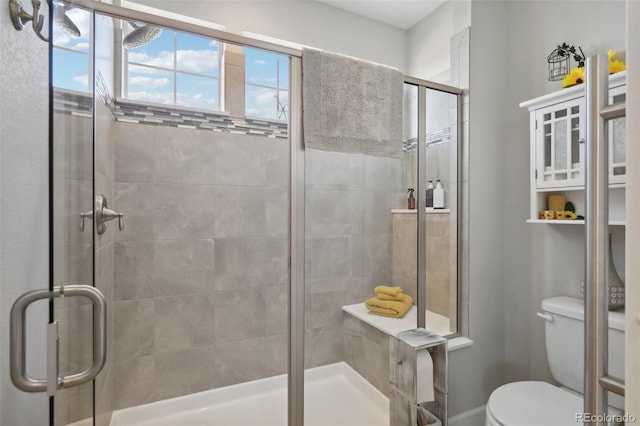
point(421, 291)
point(295, 373)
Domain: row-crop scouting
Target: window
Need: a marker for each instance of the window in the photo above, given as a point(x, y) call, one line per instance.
point(71, 54)
point(266, 84)
point(176, 68)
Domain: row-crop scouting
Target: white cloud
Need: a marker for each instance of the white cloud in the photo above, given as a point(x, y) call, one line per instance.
point(60, 37)
point(261, 103)
point(260, 62)
point(264, 96)
point(83, 45)
point(81, 19)
point(196, 101)
point(164, 59)
point(148, 82)
point(266, 81)
point(158, 98)
point(206, 82)
point(192, 101)
point(197, 61)
point(82, 79)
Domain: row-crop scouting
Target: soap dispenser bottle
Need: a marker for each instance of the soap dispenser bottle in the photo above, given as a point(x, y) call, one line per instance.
point(429, 194)
point(438, 196)
point(411, 201)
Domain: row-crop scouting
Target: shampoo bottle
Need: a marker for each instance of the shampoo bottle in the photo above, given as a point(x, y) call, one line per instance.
point(411, 201)
point(429, 194)
point(438, 196)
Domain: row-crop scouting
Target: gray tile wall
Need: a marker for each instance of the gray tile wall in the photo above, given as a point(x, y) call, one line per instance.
point(348, 250)
point(441, 266)
point(201, 268)
point(200, 271)
point(104, 253)
point(73, 256)
point(366, 349)
point(73, 191)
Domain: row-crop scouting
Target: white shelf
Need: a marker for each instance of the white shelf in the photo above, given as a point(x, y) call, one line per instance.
point(576, 91)
point(572, 222)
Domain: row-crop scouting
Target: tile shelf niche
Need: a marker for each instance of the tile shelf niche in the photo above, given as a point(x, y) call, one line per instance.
point(556, 126)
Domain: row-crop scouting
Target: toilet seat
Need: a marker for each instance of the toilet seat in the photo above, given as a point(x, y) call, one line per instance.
point(533, 404)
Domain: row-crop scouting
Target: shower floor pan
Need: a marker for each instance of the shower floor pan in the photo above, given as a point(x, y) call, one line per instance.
point(335, 395)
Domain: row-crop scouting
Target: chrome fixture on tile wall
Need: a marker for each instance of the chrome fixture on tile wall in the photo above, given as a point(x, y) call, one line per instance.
point(21, 18)
point(102, 216)
point(141, 35)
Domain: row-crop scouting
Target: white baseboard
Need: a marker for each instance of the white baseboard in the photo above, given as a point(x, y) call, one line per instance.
point(473, 417)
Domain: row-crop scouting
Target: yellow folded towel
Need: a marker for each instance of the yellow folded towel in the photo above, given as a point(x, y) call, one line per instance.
point(389, 308)
point(384, 292)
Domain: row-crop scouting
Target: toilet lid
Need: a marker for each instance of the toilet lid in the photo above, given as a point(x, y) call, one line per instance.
point(534, 404)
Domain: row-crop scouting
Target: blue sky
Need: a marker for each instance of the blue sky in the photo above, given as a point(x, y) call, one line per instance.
point(196, 78)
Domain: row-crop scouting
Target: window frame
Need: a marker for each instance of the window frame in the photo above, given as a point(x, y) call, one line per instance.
point(90, 58)
point(278, 88)
point(124, 76)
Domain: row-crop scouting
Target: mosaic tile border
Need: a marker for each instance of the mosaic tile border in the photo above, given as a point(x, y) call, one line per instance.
point(77, 103)
point(103, 91)
point(433, 138)
point(159, 115)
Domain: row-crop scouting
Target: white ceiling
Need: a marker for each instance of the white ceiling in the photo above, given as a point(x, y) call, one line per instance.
point(402, 14)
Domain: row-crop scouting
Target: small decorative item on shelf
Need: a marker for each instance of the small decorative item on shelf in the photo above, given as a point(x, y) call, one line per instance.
point(559, 61)
point(556, 202)
point(576, 76)
point(615, 65)
point(558, 209)
point(570, 211)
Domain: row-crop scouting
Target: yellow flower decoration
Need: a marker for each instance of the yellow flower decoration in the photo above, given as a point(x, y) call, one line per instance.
point(576, 76)
point(615, 65)
point(570, 215)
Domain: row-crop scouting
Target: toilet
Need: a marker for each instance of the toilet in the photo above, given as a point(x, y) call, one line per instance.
point(535, 403)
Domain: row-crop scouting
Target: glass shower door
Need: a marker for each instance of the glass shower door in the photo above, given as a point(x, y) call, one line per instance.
point(72, 194)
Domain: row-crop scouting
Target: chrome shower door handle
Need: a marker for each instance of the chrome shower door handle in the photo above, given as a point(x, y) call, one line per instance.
point(108, 214)
point(83, 216)
point(17, 341)
point(102, 215)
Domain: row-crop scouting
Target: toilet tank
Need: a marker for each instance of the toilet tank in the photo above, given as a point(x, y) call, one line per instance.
point(564, 338)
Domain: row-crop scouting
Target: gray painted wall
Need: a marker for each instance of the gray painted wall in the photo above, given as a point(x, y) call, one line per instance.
point(309, 23)
point(475, 371)
point(532, 269)
point(24, 198)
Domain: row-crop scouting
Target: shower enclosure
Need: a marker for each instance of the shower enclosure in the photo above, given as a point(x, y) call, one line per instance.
point(223, 250)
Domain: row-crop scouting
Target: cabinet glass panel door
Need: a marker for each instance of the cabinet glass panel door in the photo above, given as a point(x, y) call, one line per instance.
point(617, 142)
point(559, 162)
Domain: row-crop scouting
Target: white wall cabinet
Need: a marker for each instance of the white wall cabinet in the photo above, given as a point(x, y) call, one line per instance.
point(557, 128)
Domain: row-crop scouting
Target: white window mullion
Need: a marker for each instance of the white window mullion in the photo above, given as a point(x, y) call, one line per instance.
point(175, 67)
